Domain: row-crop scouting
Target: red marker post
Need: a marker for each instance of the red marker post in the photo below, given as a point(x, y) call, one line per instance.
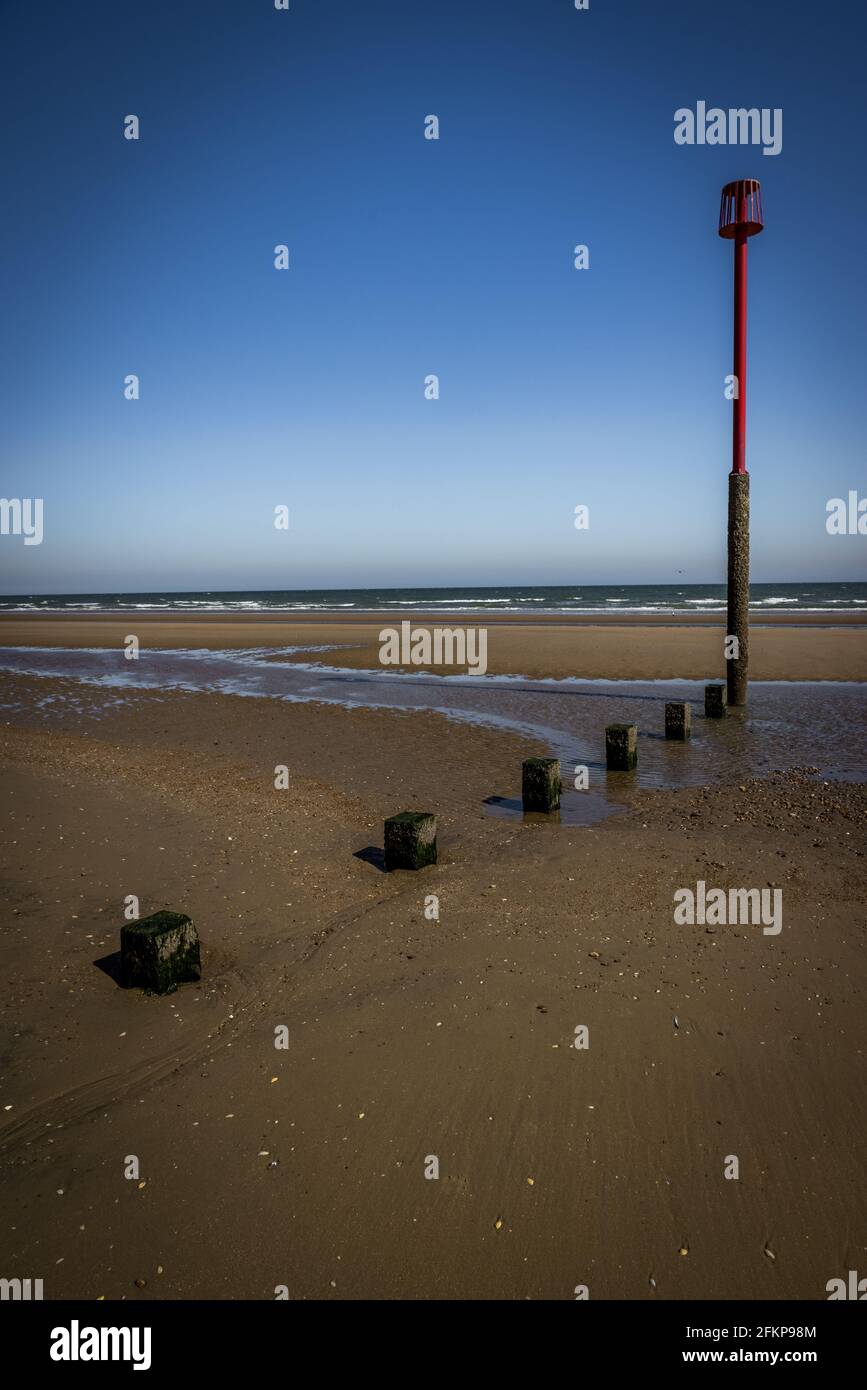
point(740, 217)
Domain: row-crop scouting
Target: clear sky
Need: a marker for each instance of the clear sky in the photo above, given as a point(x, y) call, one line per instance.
point(410, 257)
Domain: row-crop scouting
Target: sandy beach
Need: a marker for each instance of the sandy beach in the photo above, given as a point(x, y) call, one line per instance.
point(433, 677)
point(783, 646)
point(411, 1037)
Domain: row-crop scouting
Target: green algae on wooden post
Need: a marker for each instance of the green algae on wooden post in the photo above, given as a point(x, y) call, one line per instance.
point(714, 701)
point(738, 602)
point(159, 952)
point(410, 840)
point(540, 784)
point(621, 747)
point(678, 720)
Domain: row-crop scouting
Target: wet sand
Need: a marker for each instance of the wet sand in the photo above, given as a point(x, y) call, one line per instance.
point(411, 1038)
point(783, 646)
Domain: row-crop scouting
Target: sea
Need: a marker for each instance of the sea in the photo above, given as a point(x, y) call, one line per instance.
point(595, 599)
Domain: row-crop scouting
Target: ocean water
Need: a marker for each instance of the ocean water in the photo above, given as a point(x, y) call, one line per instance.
point(571, 598)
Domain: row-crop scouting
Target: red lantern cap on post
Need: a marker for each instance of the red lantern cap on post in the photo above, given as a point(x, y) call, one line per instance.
point(740, 209)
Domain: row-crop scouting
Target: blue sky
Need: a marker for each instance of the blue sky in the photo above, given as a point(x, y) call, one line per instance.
point(408, 257)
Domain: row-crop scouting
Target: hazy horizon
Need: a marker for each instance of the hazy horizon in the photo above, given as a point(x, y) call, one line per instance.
point(400, 588)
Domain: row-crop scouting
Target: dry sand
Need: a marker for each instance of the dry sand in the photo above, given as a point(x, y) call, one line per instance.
point(783, 647)
point(408, 1037)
